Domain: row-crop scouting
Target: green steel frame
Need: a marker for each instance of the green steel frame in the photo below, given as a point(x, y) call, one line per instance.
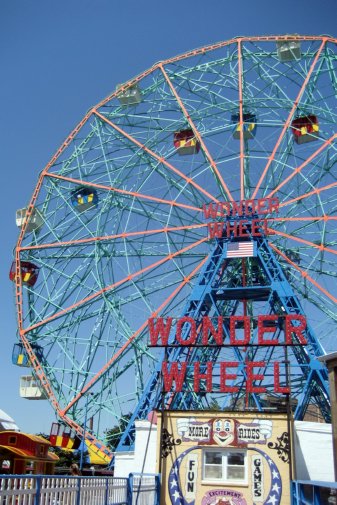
point(104, 270)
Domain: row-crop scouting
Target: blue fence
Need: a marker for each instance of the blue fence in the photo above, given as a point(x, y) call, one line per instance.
point(314, 493)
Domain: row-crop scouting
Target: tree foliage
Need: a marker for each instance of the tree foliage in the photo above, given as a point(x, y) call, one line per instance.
point(113, 435)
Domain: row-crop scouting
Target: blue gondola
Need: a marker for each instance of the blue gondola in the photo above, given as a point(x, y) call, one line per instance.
point(249, 125)
point(84, 198)
point(20, 356)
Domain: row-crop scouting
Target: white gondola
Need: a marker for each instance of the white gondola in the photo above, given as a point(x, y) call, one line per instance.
point(130, 96)
point(288, 50)
point(35, 221)
point(31, 389)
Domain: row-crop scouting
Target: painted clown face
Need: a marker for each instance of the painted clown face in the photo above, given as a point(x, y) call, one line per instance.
point(223, 431)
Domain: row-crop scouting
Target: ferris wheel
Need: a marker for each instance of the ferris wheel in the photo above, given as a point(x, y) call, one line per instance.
point(115, 232)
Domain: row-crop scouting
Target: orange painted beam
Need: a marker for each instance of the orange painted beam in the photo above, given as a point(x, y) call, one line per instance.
point(124, 192)
point(304, 274)
point(197, 135)
point(161, 159)
point(304, 164)
point(289, 118)
point(308, 218)
point(104, 238)
point(136, 333)
point(213, 47)
point(302, 241)
point(114, 285)
point(242, 143)
point(316, 191)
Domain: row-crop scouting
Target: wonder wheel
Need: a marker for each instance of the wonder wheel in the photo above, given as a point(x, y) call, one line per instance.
point(115, 232)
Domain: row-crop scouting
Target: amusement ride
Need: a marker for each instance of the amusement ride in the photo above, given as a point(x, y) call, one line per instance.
point(203, 190)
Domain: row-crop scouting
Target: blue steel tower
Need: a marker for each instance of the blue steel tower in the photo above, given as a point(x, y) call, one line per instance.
point(242, 279)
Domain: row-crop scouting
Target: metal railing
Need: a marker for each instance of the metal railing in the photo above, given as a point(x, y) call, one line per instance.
point(314, 493)
point(138, 489)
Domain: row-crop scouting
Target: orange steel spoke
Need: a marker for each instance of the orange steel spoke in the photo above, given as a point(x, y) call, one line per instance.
point(115, 285)
point(290, 116)
point(306, 162)
point(206, 49)
point(136, 333)
point(44, 172)
point(242, 145)
point(310, 193)
point(43, 379)
point(113, 237)
point(197, 134)
point(316, 218)
point(270, 38)
point(304, 274)
point(124, 192)
point(156, 156)
point(302, 241)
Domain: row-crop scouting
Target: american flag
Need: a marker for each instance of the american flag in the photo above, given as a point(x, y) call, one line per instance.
point(240, 249)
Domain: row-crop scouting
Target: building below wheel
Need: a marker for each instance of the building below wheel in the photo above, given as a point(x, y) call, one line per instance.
point(229, 458)
point(25, 453)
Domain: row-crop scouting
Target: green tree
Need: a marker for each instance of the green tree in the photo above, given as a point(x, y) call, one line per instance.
point(113, 435)
point(66, 457)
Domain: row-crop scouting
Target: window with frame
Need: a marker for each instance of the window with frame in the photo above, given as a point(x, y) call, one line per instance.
point(226, 465)
point(12, 440)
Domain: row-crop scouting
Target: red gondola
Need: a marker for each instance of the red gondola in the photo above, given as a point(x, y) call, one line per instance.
point(29, 272)
point(185, 142)
point(62, 436)
point(305, 129)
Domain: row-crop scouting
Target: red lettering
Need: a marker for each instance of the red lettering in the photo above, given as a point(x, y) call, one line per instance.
point(231, 230)
point(237, 208)
point(249, 207)
point(261, 206)
point(210, 211)
point(202, 376)
point(224, 377)
point(193, 331)
point(277, 387)
point(243, 231)
point(161, 329)
point(262, 329)
point(256, 227)
point(174, 375)
point(274, 205)
point(251, 377)
point(226, 208)
point(215, 230)
point(207, 327)
point(232, 330)
point(297, 330)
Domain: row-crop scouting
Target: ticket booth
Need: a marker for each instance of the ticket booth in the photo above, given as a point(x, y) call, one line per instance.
point(224, 458)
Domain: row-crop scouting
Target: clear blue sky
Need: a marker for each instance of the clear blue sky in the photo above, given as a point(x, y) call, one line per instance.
point(60, 57)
